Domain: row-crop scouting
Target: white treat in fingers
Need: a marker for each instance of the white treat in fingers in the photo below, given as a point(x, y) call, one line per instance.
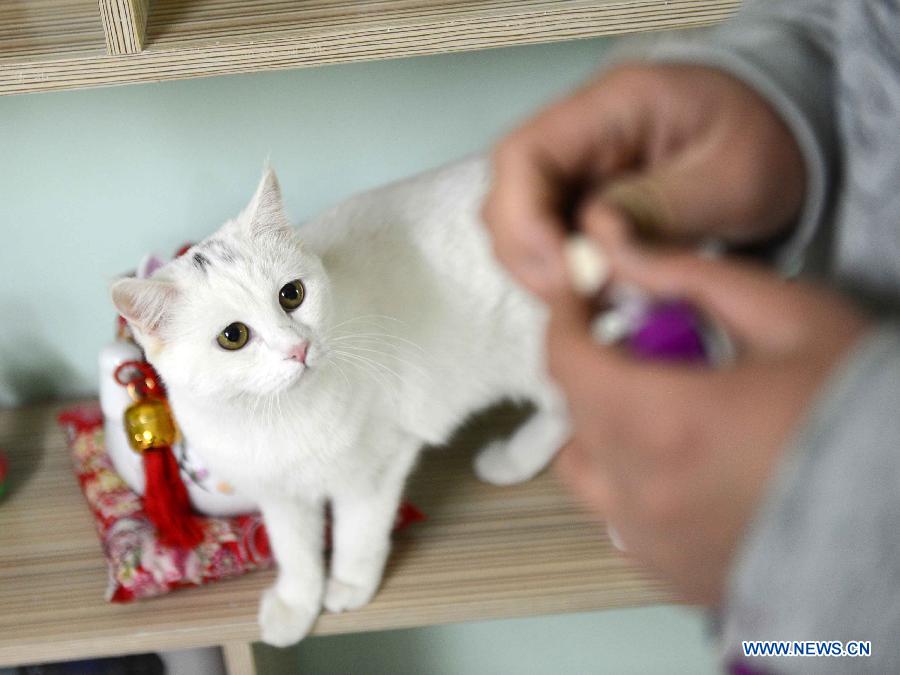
point(588, 267)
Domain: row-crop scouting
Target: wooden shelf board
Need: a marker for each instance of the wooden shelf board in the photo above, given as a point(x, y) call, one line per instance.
point(45, 30)
point(59, 44)
point(484, 553)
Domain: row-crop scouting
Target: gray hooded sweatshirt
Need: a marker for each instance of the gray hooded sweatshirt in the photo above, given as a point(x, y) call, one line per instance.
point(821, 559)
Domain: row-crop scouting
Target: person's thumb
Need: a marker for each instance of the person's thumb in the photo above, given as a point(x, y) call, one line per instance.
point(702, 192)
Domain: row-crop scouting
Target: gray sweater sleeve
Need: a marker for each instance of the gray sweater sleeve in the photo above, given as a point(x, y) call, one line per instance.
point(784, 50)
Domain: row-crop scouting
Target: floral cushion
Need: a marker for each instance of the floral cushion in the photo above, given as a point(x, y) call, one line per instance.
point(139, 566)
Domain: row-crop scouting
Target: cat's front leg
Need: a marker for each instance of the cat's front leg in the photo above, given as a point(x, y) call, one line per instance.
point(364, 510)
point(289, 607)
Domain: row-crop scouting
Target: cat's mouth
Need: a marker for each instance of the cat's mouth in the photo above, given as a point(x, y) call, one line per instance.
point(288, 378)
point(296, 368)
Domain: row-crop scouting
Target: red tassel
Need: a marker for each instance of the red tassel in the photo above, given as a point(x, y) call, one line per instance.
point(166, 500)
point(151, 432)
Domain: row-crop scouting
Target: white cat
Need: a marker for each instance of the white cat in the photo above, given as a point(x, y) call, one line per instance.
point(309, 366)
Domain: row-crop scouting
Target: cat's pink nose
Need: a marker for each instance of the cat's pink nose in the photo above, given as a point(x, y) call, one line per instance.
point(298, 352)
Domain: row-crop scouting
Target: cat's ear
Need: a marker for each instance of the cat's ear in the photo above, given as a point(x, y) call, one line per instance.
point(145, 303)
point(265, 212)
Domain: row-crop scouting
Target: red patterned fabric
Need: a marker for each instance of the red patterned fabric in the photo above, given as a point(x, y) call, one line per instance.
point(139, 565)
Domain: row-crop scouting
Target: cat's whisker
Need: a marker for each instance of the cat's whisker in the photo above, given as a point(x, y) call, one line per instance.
point(373, 362)
point(343, 374)
point(369, 363)
point(391, 357)
point(371, 367)
point(382, 337)
point(367, 317)
point(376, 377)
point(278, 404)
point(343, 338)
point(267, 408)
point(255, 403)
point(331, 360)
point(383, 343)
point(418, 368)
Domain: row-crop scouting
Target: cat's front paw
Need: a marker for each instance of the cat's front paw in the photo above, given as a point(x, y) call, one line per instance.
point(281, 623)
point(341, 596)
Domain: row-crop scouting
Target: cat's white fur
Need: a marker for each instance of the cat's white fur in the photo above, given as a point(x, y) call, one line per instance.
point(412, 327)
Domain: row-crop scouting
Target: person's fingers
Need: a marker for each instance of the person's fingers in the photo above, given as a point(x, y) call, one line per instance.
point(755, 305)
point(703, 188)
point(738, 173)
point(599, 130)
point(574, 360)
point(604, 383)
point(677, 170)
point(542, 170)
point(697, 191)
point(523, 215)
point(629, 210)
point(651, 409)
point(604, 223)
point(584, 478)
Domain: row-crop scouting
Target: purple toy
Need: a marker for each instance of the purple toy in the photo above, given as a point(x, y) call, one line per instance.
point(672, 331)
point(669, 330)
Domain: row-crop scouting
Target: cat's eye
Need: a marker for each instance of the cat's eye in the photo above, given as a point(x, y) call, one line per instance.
point(291, 295)
point(234, 336)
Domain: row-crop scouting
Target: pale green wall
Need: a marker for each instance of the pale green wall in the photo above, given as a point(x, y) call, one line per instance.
point(90, 180)
point(645, 641)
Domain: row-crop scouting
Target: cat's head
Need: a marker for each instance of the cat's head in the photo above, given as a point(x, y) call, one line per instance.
point(241, 313)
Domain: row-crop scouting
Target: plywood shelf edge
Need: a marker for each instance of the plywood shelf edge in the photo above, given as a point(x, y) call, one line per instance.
point(67, 48)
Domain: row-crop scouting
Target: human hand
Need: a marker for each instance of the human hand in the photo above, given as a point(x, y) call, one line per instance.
point(686, 150)
point(677, 457)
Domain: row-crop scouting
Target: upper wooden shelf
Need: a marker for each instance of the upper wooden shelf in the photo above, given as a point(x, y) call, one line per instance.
point(484, 552)
point(60, 44)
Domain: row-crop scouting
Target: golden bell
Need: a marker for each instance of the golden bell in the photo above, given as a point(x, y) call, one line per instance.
point(149, 425)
